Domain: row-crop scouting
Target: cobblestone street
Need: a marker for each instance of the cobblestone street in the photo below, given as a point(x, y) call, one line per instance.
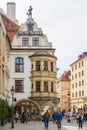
point(38, 125)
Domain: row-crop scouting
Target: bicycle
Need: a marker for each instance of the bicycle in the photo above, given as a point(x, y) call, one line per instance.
point(58, 122)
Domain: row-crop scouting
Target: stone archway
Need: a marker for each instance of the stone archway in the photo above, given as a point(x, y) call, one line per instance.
point(28, 106)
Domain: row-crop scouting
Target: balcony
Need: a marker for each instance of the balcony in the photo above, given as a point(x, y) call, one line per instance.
point(43, 74)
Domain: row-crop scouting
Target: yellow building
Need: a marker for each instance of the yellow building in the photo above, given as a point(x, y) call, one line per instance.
point(6, 36)
point(79, 83)
point(63, 90)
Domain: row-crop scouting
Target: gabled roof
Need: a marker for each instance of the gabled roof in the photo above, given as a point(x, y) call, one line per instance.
point(65, 77)
point(11, 27)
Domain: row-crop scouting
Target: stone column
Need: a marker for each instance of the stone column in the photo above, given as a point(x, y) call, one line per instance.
point(42, 86)
point(41, 65)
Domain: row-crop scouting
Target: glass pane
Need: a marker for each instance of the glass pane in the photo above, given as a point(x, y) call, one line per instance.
point(21, 60)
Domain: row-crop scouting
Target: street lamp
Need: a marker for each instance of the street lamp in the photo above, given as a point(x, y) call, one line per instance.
point(12, 93)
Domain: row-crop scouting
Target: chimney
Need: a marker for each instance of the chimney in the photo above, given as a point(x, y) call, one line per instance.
point(11, 10)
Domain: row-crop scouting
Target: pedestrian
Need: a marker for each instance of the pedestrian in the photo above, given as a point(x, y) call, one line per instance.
point(80, 120)
point(23, 117)
point(16, 117)
point(53, 117)
point(46, 119)
point(58, 117)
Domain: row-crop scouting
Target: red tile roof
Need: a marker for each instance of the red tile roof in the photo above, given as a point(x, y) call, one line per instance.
point(65, 76)
point(11, 27)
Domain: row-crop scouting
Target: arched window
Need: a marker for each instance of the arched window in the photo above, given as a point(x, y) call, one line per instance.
point(19, 64)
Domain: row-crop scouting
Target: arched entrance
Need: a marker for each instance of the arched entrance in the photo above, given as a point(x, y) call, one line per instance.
point(28, 106)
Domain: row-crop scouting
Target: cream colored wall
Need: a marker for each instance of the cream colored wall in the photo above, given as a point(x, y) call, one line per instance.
point(79, 100)
point(3, 58)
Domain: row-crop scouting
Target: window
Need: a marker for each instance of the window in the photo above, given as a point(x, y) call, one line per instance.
point(79, 83)
point(46, 65)
point(75, 67)
point(25, 41)
point(82, 92)
point(82, 73)
point(79, 65)
point(79, 93)
point(19, 64)
point(35, 41)
point(37, 65)
point(45, 86)
point(76, 76)
point(72, 86)
point(32, 86)
point(19, 85)
point(51, 66)
point(30, 26)
point(51, 86)
point(37, 86)
point(82, 63)
point(82, 82)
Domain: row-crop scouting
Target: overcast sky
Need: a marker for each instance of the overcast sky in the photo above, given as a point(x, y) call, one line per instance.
point(63, 21)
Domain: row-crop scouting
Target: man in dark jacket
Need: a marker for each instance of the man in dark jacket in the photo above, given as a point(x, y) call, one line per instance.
point(80, 120)
point(46, 119)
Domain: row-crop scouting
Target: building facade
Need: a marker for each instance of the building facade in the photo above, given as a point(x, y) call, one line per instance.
point(4, 54)
point(31, 64)
point(64, 91)
point(79, 83)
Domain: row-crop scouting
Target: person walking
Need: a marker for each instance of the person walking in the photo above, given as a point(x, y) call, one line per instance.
point(80, 120)
point(16, 117)
point(58, 117)
point(46, 119)
point(53, 117)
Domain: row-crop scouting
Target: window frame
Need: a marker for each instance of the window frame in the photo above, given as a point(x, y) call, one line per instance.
point(25, 41)
point(19, 66)
point(35, 41)
point(20, 81)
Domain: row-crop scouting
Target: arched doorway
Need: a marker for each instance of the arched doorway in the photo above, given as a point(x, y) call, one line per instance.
point(28, 106)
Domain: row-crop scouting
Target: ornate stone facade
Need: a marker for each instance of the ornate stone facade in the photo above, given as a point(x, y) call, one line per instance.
point(32, 67)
